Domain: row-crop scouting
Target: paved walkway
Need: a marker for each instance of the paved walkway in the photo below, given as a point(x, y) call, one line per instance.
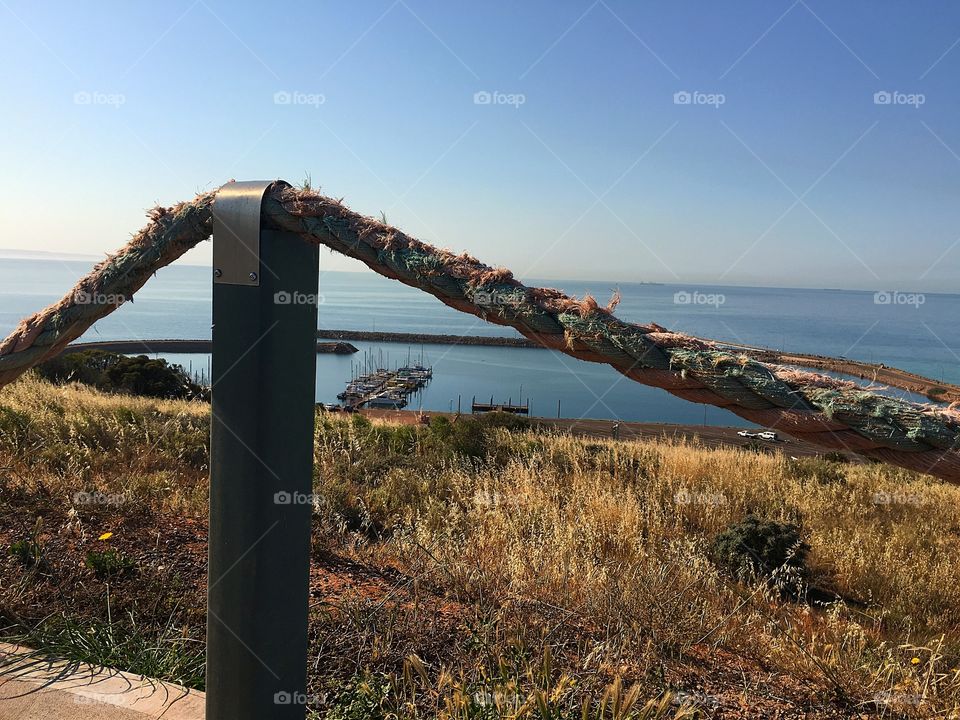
point(38, 689)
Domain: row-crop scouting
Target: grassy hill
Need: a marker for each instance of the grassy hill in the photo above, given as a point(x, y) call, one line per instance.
point(490, 569)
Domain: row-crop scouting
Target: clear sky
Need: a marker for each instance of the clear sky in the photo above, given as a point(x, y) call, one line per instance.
point(550, 136)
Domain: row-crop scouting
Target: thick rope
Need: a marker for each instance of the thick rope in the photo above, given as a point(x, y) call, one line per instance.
point(828, 412)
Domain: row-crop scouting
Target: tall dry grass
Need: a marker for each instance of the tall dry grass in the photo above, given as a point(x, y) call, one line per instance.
point(616, 534)
point(593, 552)
point(75, 439)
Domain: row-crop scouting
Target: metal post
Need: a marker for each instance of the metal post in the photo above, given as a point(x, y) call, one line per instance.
point(261, 463)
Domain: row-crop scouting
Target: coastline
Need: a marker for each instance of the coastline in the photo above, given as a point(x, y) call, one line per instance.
point(337, 342)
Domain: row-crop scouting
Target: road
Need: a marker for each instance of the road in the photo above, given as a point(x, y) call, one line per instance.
point(707, 435)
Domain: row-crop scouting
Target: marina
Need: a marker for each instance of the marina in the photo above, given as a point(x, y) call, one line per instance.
point(385, 389)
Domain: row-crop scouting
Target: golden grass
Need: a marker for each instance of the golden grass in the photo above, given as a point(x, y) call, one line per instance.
point(604, 540)
point(79, 440)
point(615, 533)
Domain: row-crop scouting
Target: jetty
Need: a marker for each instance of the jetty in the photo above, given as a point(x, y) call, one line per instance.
point(507, 407)
point(385, 389)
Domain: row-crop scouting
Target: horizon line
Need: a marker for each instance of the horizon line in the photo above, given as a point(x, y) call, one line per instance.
point(54, 256)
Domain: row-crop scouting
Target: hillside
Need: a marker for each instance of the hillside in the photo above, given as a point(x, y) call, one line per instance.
point(491, 569)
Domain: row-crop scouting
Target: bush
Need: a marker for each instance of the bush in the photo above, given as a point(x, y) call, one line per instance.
point(836, 457)
point(758, 447)
point(823, 470)
point(113, 372)
point(470, 436)
point(440, 427)
point(757, 548)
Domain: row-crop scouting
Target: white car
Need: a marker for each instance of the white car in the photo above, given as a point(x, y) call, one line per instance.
point(746, 434)
point(769, 435)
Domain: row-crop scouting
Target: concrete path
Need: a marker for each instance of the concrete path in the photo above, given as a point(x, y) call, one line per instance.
point(38, 689)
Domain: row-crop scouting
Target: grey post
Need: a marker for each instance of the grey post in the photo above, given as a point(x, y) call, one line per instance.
point(261, 462)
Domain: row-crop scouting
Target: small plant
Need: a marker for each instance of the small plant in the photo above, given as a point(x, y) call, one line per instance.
point(757, 548)
point(108, 562)
point(29, 551)
point(362, 698)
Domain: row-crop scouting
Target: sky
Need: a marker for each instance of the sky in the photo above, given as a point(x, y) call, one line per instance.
point(758, 142)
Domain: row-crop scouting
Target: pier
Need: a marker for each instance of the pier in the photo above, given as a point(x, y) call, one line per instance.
point(507, 407)
point(385, 389)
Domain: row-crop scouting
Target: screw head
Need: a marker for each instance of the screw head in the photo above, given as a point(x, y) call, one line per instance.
point(218, 273)
point(253, 277)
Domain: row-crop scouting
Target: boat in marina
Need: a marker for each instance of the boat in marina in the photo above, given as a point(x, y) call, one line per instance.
point(385, 389)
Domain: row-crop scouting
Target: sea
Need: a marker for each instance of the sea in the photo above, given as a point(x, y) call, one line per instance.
point(898, 327)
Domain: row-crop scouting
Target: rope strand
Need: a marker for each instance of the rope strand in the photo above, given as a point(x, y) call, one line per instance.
point(831, 413)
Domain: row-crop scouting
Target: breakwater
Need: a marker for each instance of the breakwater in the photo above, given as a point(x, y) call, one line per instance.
point(425, 338)
point(132, 347)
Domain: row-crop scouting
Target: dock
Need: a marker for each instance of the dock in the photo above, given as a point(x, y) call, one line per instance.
point(385, 389)
point(507, 407)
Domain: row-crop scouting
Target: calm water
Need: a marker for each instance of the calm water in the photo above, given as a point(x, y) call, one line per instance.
point(923, 338)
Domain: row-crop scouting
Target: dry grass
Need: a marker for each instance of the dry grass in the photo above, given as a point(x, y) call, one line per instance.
point(74, 439)
point(533, 570)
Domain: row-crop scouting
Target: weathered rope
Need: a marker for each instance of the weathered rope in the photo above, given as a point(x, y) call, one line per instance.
point(830, 413)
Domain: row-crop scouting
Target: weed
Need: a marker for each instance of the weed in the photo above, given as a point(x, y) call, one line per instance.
point(108, 562)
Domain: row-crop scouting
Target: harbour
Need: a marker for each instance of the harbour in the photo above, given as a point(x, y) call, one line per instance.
point(385, 389)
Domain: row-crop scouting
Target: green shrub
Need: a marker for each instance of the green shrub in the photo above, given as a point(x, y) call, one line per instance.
point(440, 427)
point(757, 548)
point(471, 436)
point(760, 448)
point(113, 372)
point(85, 367)
point(836, 457)
point(821, 469)
point(360, 422)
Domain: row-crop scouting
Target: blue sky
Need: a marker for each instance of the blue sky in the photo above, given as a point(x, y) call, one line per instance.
point(782, 169)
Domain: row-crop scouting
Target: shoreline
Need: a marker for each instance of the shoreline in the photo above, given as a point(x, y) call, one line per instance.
point(337, 342)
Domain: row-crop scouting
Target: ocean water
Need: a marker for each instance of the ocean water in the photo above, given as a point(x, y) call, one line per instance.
point(916, 333)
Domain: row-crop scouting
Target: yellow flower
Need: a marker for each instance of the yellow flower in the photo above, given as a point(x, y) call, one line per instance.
point(915, 661)
point(105, 536)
